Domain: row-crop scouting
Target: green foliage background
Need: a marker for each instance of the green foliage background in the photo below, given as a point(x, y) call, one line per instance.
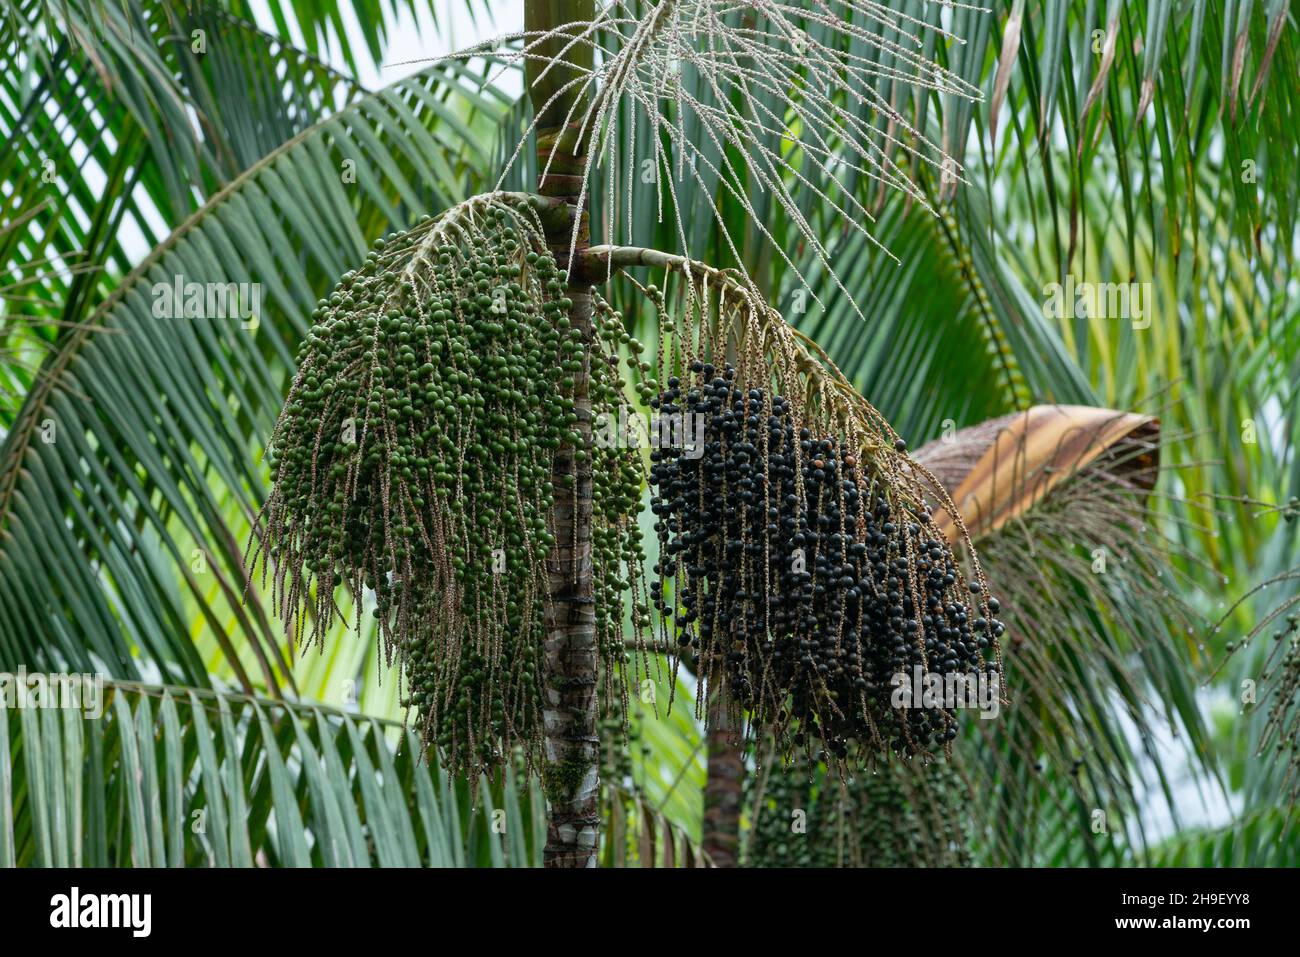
point(131, 159)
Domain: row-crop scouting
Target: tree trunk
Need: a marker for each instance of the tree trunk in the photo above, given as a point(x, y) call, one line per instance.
point(571, 777)
point(726, 772)
point(572, 743)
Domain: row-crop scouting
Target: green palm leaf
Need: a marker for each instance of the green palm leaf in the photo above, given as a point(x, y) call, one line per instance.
point(152, 473)
point(279, 784)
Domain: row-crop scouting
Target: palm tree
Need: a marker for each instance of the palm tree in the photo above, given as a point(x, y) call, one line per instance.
point(130, 473)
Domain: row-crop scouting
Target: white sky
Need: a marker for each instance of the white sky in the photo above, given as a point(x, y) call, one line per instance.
point(416, 37)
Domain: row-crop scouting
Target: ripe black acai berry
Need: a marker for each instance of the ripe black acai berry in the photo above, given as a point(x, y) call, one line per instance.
point(801, 581)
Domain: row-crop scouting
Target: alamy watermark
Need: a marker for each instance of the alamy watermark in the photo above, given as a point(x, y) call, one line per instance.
point(61, 690)
point(1099, 300)
point(179, 299)
point(976, 690)
point(133, 912)
point(675, 430)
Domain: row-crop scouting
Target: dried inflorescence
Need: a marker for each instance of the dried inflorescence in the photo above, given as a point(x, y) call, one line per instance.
point(414, 458)
point(797, 561)
point(812, 97)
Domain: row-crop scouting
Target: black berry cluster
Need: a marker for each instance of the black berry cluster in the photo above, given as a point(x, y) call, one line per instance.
point(800, 582)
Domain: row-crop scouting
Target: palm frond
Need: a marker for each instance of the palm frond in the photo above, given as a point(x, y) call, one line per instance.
point(148, 475)
point(1254, 840)
point(134, 775)
point(121, 117)
point(172, 777)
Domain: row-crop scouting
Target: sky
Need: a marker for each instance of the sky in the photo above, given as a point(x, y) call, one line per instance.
point(418, 38)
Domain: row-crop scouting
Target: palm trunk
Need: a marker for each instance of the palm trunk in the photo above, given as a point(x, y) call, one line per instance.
point(726, 773)
point(572, 742)
point(572, 774)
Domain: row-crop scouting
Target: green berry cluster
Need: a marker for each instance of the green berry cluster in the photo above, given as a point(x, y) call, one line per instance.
point(618, 480)
point(898, 816)
point(414, 459)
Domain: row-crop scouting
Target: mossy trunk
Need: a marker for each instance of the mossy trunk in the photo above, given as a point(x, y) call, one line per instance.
point(572, 774)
